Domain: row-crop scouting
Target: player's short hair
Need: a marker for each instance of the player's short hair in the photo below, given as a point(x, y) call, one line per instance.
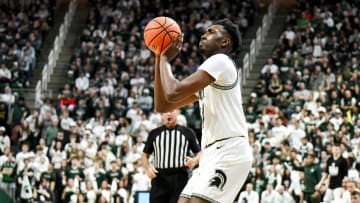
point(233, 30)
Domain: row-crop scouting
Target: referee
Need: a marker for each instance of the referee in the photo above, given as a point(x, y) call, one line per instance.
point(170, 145)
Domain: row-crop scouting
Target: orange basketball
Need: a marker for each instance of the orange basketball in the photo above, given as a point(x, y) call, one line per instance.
point(159, 32)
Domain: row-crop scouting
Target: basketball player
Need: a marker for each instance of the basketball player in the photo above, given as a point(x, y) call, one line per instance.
point(226, 154)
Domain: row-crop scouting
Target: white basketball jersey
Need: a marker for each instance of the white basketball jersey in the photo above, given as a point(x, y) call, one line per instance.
point(221, 102)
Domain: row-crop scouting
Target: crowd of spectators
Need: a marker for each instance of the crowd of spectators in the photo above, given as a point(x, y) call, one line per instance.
point(306, 106)
point(23, 26)
point(85, 145)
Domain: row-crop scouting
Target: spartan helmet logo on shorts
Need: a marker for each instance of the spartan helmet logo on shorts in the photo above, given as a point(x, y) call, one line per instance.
point(218, 180)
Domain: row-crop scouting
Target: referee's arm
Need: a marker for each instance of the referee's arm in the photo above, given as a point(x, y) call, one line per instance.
point(191, 162)
point(194, 146)
point(148, 150)
point(150, 169)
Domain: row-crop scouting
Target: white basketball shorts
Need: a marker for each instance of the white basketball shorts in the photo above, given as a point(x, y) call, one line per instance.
point(223, 169)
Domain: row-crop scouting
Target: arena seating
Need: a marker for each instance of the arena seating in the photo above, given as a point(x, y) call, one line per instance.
point(107, 98)
point(307, 97)
point(23, 27)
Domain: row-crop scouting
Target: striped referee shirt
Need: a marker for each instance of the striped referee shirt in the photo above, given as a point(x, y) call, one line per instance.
point(170, 146)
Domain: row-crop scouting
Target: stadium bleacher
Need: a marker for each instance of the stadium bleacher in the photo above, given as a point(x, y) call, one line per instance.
point(307, 99)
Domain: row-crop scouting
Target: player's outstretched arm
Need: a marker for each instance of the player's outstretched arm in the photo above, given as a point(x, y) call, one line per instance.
point(171, 93)
point(160, 103)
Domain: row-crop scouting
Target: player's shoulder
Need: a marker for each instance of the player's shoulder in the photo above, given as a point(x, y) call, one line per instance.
point(218, 60)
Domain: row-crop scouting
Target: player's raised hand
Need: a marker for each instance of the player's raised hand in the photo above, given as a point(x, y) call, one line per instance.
point(174, 48)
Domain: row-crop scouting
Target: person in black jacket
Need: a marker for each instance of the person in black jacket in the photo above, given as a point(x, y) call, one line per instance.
point(170, 144)
point(336, 170)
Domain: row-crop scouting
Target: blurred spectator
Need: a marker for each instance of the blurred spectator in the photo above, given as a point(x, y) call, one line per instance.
point(337, 170)
point(312, 176)
point(146, 101)
point(4, 140)
point(25, 181)
point(43, 193)
point(5, 74)
point(67, 101)
point(283, 195)
point(8, 171)
point(82, 82)
point(24, 26)
point(270, 67)
point(268, 195)
point(249, 195)
point(318, 104)
point(20, 110)
point(350, 188)
point(8, 97)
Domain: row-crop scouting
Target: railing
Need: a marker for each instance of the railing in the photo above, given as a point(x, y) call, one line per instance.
point(258, 41)
point(246, 71)
point(44, 76)
point(38, 100)
point(48, 68)
point(250, 58)
point(252, 53)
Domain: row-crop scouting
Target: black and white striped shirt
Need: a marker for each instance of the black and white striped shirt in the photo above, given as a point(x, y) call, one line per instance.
point(170, 146)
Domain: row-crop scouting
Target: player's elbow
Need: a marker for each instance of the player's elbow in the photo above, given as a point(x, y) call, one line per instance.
point(163, 108)
point(159, 109)
point(175, 95)
point(172, 97)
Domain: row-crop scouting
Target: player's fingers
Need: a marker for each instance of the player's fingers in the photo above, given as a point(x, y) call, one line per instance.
point(177, 41)
point(179, 45)
point(181, 38)
point(172, 45)
point(177, 38)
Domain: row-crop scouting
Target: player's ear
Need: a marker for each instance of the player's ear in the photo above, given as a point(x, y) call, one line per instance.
point(225, 42)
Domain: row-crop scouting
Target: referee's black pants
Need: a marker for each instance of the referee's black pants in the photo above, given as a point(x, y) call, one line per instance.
point(167, 185)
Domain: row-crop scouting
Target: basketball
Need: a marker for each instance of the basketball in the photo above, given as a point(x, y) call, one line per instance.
point(159, 32)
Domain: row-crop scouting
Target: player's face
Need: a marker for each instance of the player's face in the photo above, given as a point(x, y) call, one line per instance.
point(211, 40)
